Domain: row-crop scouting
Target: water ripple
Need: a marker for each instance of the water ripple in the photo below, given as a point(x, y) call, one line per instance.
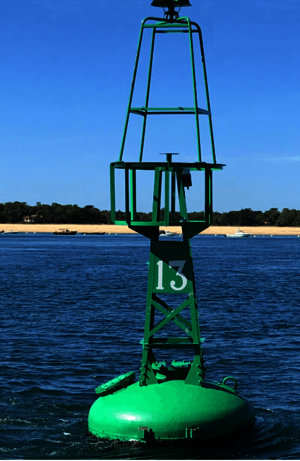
point(72, 316)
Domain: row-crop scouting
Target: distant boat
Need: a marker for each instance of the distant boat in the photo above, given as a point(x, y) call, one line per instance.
point(167, 233)
point(9, 232)
point(239, 233)
point(92, 233)
point(64, 232)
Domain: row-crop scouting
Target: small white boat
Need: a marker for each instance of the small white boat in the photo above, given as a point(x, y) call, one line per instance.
point(239, 233)
point(167, 233)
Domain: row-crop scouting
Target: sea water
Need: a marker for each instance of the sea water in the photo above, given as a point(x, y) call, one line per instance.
point(72, 314)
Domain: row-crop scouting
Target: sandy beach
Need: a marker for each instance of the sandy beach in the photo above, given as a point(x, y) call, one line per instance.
point(112, 229)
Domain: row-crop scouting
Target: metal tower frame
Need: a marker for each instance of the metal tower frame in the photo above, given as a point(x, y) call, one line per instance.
point(170, 265)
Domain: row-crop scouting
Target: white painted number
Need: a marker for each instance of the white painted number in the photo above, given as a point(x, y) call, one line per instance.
point(172, 264)
point(160, 276)
point(180, 265)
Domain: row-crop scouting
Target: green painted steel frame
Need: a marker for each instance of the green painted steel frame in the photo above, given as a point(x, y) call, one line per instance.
point(190, 227)
point(166, 257)
point(180, 25)
point(161, 252)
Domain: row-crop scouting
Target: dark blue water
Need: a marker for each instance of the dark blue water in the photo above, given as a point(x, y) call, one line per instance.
point(72, 315)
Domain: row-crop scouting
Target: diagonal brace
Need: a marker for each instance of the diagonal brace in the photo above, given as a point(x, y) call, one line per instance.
point(169, 309)
point(170, 316)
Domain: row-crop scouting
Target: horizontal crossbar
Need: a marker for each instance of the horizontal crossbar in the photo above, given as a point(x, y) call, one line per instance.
point(172, 343)
point(168, 111)
point(164, 25)
point(174, 166)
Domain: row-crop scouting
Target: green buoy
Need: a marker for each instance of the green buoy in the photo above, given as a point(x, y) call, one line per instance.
point(169, 401)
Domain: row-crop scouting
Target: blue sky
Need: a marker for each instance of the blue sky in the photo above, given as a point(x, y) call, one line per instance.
point(66, 70)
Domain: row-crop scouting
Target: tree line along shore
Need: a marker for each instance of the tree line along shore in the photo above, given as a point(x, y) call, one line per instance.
point(22, 213)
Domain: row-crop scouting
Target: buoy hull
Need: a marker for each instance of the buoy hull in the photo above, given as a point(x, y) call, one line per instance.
point(170, 411)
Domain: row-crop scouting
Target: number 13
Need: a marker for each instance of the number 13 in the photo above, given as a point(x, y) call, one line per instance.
point(178, 264)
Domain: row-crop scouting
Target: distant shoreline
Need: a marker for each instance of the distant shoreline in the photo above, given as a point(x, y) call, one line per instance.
point(112, 229)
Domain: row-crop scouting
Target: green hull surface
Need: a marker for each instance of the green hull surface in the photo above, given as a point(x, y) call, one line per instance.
point(170, 411)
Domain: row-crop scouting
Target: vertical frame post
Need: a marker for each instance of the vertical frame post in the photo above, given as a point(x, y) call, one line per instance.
point(127, 201)
point(195, 89)
point(156, 196)
point(167, 196)
point(173, 195)
point(133, 194)
point(147, 95)
point(208, 196)
point(112, 193)
point(131, 90)
point(207, 93)
point(181, 195)
point(147, 375)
